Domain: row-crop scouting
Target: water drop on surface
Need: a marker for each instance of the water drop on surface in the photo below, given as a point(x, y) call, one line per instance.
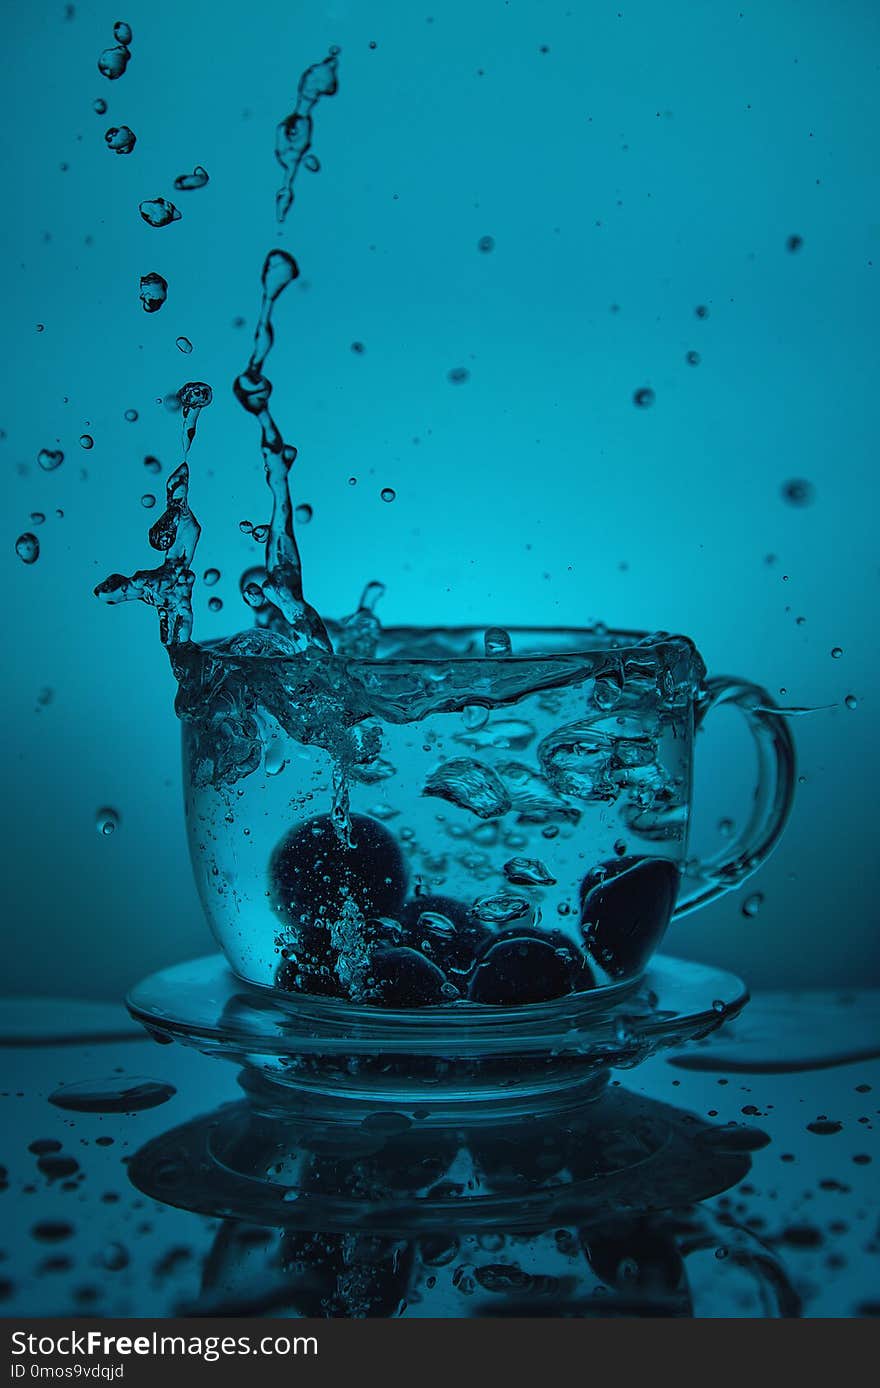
point(106, 821)
point(496, 642)
point(121, 139)
point(27, 547)
point(752, 904)
point(643, 397)
point(116, 1094)
point(184, 345)
point(86, 441)
point(153, 292)
point(388, 493)
point(158, 212)
point(50, 458)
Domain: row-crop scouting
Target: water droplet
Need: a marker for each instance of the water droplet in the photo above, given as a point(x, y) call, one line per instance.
point(528, 872)
point(303, 513)
point(701, 311)
point(116, 1094)
point(37, 517)
point(486, 244)
point(500, 908)
point(752, 904)
point(824, 1127)
point(184, 345)
point(99, 106)
point(388, 493)
point(215, 604)
point(726, 827)
point(496, 642)
point(458, 375)
point(153, 292)
point(115, 1257)
point(312, 163)
point(148, 501)
point(260, 533)
point(851, 701)
point(131, 416)
point(152, 464)
point(106, 821)
point(836, 652)
point(122, 32)
point(195, 395)
point(185, 183)
point(798, 492)
point(27, 547)
point(794, 243)
point(41, 327)
point(86, 441)
point(718, 1006)
point(120, 138)
point(643, 397)
point(50, 458)
point(358, 348)
point(210, 577)
point(158, 212)
point(254, 596)
point(113, 62)
point(693, 358)
point(246, 527)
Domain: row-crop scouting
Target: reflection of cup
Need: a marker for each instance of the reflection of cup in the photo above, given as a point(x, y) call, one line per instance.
point(517, 823)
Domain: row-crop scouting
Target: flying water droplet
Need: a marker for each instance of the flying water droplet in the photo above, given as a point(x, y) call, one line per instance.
point(851, 702)
point(836, 652)
point(158, 212)
point(99, 106)
point(752, 904)
point(106, 821)
point(27, 547)
point(113, 61)
point(293, 137)
point(215, 604)
point(388, 494)
point(693, 358)
point(303, 513)
point(122, 32)
point(148, 501)
point(131, 416)
point(458, 375)
point(184, 345)
point(211, 577)
point(486, 244)
point(153, 292)
point(643, 397)
point(86, 441)
point(50, 458)
point(185, 183)
point(798, 492)
point(121, 139)
point(152, 464)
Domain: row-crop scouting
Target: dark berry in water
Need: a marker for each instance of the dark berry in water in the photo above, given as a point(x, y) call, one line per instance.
point(634, 1256)
point(404, 978)
point(456, 950)
point(626, 905)
point(313, 873)
point(524, 967)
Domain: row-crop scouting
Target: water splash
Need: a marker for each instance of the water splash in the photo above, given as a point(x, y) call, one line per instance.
point(168, 587)
point(282, 586)
point(293, 138)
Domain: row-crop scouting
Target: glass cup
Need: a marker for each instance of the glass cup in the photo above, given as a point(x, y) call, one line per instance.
point(433, 825)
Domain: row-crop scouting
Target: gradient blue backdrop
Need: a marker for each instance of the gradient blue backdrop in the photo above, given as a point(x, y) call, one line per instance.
point(655, 157)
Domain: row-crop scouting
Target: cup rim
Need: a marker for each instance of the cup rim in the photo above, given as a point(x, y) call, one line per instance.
point(598, 641)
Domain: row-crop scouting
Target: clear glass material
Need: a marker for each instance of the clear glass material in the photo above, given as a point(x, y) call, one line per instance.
point(461, 818)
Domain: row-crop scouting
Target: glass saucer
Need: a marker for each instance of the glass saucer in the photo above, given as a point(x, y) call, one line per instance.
point(449, 1058)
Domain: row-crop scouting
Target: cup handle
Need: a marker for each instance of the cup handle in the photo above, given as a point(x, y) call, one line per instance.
point(774, 792)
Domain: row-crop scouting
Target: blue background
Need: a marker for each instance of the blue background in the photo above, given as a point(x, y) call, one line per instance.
point(656, 157)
